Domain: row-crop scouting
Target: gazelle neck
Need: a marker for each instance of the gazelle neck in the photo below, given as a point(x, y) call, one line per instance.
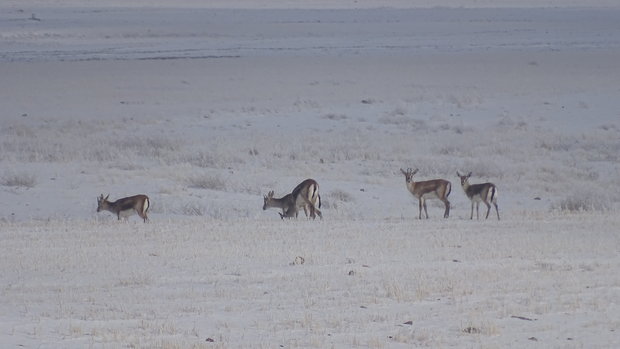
point(278, 202)
point(465, 185)
point(108, 206)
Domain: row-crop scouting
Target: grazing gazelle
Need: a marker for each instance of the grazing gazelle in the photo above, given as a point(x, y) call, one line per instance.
point(125, 207)
point(305, 194)
point(485, 192)
point(286, 203)
point(435, 188)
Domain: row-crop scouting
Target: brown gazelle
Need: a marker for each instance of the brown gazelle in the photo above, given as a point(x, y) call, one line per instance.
point(125, 207)
point(483, 192)
point(286, 203)
point(435, 188)
point(305, 195)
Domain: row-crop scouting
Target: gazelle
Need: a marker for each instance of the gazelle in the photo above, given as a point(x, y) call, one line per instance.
point(286, 203)
point(305, 194)
point(435, 188)
point(485, 192)
point(125, 207)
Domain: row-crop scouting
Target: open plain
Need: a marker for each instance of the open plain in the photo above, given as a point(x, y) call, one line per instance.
point(207, 107)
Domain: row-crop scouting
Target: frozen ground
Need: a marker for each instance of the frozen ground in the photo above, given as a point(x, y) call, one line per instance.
point(206, 108)
point(533, 281)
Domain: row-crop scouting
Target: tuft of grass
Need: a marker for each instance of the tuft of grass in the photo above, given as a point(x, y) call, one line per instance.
point(341, 195)
point(207, 182)
point(193, 209)
point(335, 117)
point(202, 159)
point(19, 180)
point(580, 203)
point(400, 118)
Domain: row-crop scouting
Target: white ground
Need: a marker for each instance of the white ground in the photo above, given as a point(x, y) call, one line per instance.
point(205, 108)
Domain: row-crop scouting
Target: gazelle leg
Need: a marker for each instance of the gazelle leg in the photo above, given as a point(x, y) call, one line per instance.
point(312, 212)
point(488, 209)
point(446, 213)
point(472, 211)
point(318, 213)
point(142, 215)
point(425, 210)
point(496, 210)
point(421, 204)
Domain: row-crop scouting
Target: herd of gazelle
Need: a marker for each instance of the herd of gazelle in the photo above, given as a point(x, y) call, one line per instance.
point(441, 188)
point(306, 195)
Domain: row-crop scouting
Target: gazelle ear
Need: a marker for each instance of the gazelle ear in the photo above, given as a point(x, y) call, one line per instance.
point(415, 171)
point(106, 197)
point(403, 171)
point(469, 174)
point(458, 174)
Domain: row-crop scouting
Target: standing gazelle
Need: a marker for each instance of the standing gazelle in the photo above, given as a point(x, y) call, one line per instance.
point(435, 188)
point(125, 207)
point(485, 192)
point(305, 194)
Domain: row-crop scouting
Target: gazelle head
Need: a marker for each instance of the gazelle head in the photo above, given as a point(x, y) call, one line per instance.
point(102, 203)
point(464, 179)
point(267, 200)
point(409, 174)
